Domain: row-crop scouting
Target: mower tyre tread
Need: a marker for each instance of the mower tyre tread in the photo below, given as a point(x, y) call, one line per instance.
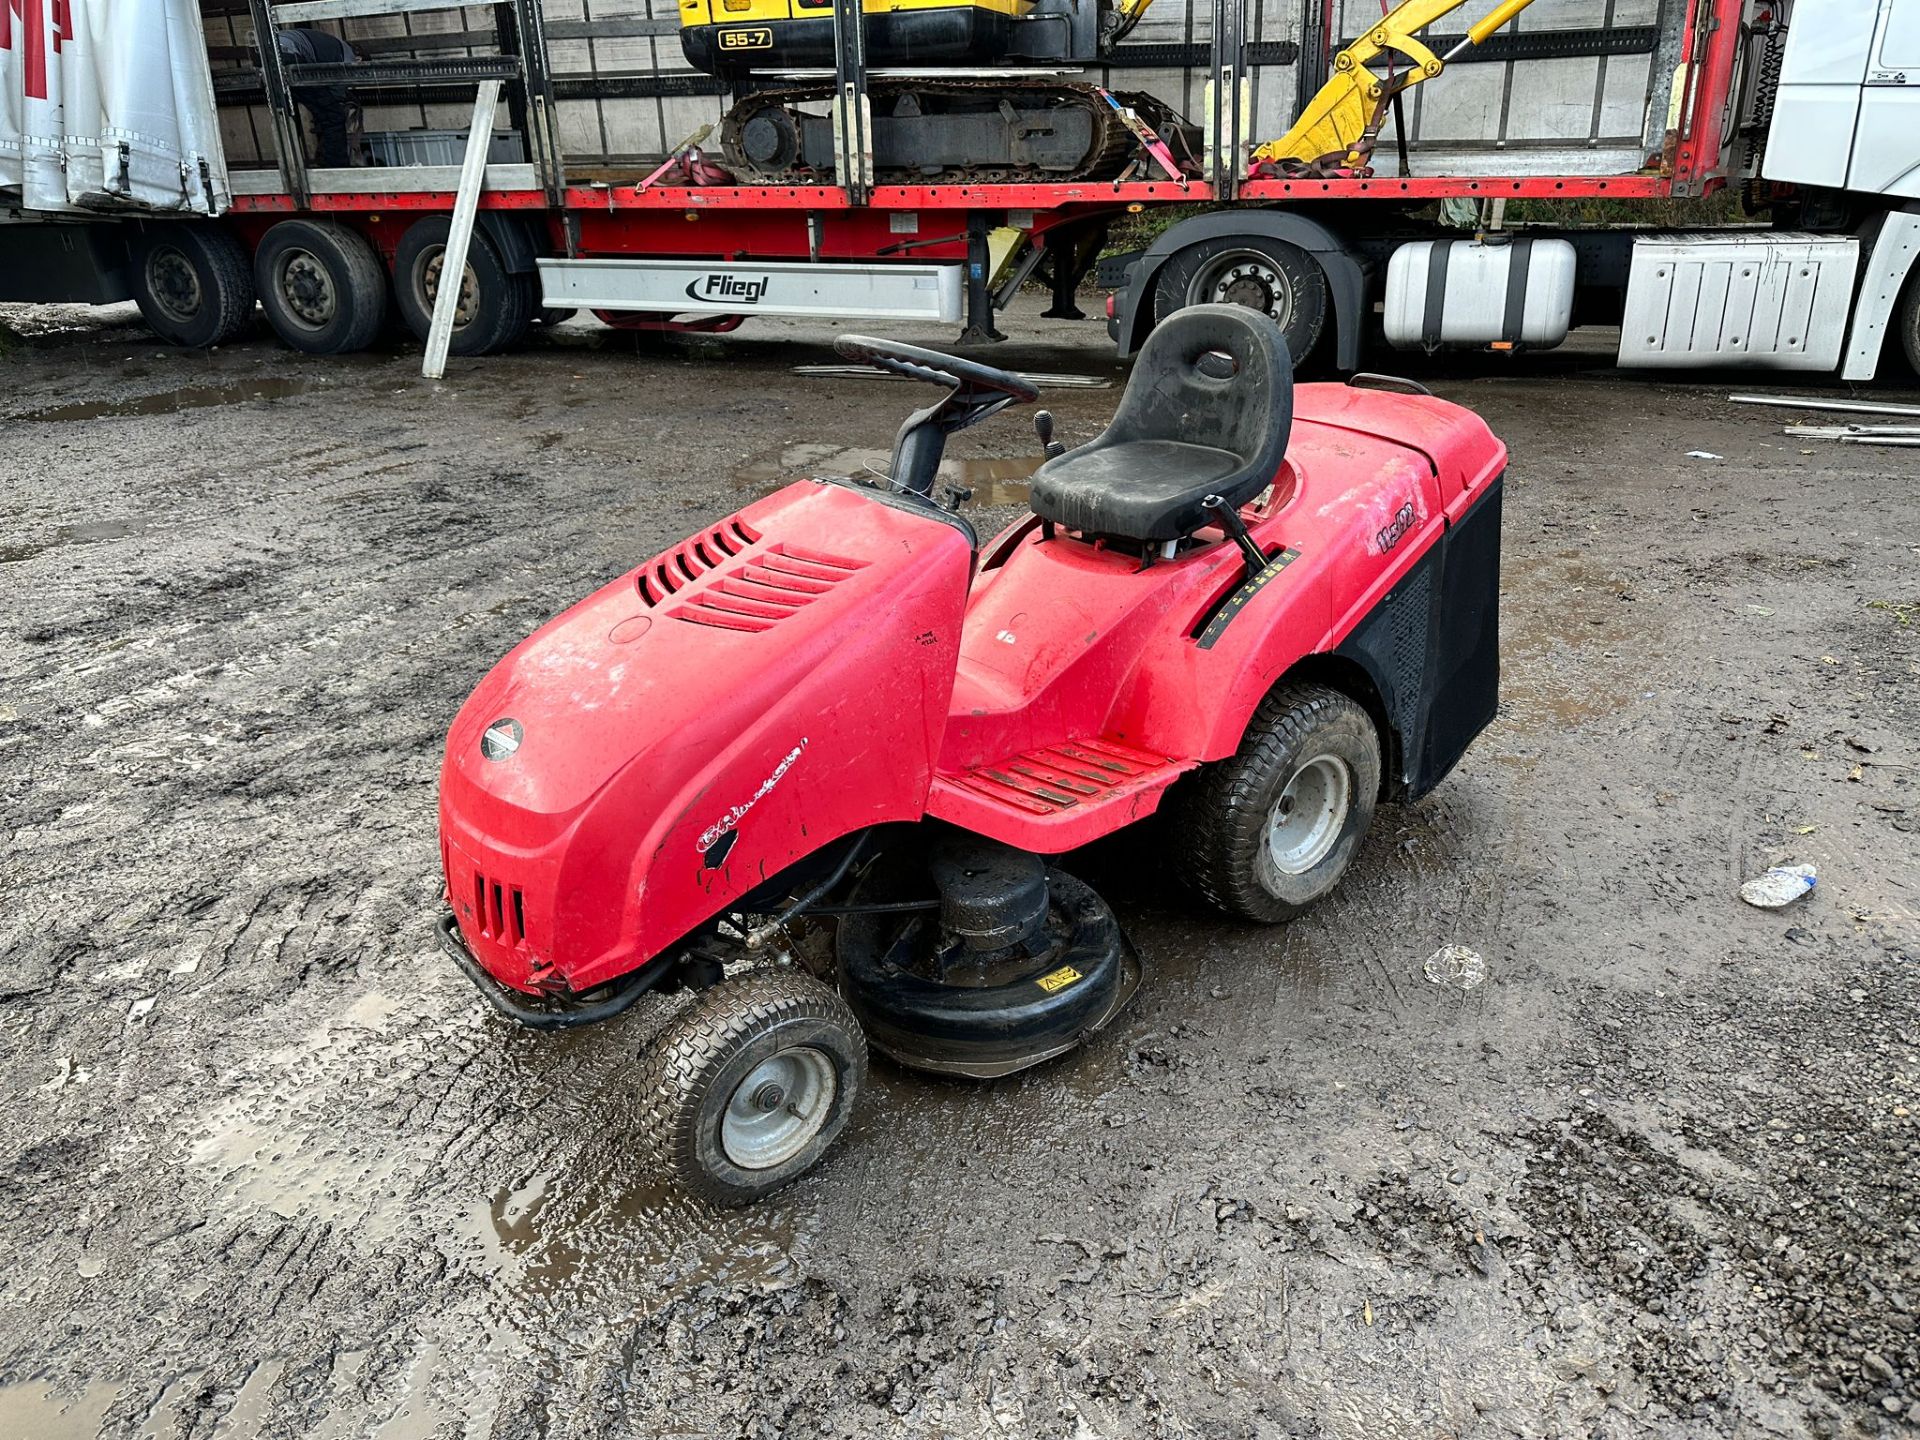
point(1219, 816)
point(689, 1055)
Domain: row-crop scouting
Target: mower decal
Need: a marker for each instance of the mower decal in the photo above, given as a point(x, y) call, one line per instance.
point(727, 823)
point(1056, 981)
point(1236, 602)
point(1396, 529)
point(501, 739)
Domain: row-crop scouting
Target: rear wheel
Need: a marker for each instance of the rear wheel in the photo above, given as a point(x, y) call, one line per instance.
point(1272, 828)
point(1278, 279)
point(495, 307)
point(192, 283)
point(322, 286)
point(747, 1087)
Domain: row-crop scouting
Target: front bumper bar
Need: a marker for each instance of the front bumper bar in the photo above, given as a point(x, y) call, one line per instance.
point(548, 1013)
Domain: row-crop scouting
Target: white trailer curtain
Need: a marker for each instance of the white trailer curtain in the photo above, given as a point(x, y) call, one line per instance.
point(107, 105)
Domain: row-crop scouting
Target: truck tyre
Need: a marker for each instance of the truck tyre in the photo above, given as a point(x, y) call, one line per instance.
point(1271, 276)
point(747, 1087)
point(192, 283)
point(1270, 829)
point(496, 307)
point(1910, 321)
point(322, 286)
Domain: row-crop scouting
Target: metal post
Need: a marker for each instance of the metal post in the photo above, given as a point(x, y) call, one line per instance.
point(852, 110)
point(979, 329)
point(289, 136)
point(1226, 113)
point(453, 260)
point(539, 104)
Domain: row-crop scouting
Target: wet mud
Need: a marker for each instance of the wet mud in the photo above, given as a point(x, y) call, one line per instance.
point(271, 1170)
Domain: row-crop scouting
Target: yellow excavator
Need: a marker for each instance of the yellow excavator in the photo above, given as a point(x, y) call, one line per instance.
point(1338, 129)
point(940, 122)
point(943, 120)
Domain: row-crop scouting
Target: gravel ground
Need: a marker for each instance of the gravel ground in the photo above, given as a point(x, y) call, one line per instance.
point(271, 1171)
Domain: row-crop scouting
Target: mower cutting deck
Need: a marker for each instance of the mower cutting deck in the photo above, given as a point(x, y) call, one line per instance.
point(1247, 612)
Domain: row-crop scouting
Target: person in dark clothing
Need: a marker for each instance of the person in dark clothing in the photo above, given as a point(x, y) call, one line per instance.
point(326, 104)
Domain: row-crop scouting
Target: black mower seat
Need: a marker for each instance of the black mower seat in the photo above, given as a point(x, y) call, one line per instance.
point(1207, 411)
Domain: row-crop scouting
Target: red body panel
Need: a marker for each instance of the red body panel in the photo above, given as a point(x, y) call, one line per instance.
point(1066, 644)
point(821, 662)
point(788, 684)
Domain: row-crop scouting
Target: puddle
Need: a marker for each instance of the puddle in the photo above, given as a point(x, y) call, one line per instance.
point(85, 532)
point(250, 1406)
point(994, 481)
point(35, 1409)
point(1557, 614)
point(189, 397)
point(616, 1230)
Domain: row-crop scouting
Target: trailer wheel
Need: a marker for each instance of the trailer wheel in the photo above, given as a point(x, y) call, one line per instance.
point(322, 286)
point(192, 283)
point(1271, 276)
point(496, 306)
point(1271, 829)
point(747, 1087)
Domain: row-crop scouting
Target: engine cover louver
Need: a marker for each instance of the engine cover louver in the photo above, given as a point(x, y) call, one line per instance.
point(721, 579)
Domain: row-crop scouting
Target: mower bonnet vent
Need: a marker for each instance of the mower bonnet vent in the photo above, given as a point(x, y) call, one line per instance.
point(760, 590)
point(691, 559)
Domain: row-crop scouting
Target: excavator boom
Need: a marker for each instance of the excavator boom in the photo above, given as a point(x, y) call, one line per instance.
point(1339, 125)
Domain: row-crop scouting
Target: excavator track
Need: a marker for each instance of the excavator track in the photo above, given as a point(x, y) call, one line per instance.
point(775, 153)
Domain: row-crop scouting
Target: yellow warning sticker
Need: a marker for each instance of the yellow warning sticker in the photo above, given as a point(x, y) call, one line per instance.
point(1058, 980)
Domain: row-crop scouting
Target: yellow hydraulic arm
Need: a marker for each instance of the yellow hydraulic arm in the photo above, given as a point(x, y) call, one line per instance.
point(1340, 124)
point(1129, 13)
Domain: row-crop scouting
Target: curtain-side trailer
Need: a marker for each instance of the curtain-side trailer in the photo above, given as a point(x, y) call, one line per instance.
point(160, 150)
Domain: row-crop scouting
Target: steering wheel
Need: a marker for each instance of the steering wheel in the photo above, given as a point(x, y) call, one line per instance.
point(971, 380)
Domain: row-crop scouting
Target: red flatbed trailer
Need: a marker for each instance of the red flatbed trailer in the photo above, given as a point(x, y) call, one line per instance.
point(756, 239)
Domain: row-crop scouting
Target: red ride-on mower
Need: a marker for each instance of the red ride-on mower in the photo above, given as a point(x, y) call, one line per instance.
point(1255, 610)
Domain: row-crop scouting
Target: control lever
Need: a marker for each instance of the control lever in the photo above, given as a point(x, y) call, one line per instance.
point(1236, 528)
point(1043, 427)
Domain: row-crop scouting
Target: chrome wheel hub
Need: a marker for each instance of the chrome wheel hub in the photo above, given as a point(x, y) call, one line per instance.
point(1245, 277)
point(777, 1110)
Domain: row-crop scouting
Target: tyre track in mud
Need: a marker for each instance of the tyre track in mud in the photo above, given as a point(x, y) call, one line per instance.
point(312, 1189)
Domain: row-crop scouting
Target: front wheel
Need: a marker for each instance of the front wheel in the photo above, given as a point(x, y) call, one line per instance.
point(1272, 828)
point(747, 1087)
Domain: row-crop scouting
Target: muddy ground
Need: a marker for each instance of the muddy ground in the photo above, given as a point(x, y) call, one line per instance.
point(270, 1170)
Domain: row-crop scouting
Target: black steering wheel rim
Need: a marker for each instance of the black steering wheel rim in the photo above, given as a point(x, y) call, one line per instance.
point(915, 363)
